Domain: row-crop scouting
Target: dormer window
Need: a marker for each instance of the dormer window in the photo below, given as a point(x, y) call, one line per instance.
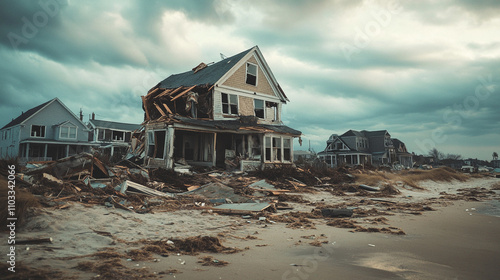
point(251, 77)
point(67, 131)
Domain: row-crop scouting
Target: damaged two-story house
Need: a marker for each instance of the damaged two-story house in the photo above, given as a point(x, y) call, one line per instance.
point(221, 114)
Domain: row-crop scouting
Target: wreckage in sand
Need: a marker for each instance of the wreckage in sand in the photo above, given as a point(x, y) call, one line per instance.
point(225, 114)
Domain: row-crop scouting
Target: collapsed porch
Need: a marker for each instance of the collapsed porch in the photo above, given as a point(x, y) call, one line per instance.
point(232, 144)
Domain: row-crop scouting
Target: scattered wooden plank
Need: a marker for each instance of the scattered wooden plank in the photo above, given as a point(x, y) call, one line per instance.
point(184, 92)
point(129, 184)
point(146, 109)
point(34, 241)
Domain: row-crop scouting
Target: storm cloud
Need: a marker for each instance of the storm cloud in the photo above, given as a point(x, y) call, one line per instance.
point(427, 71)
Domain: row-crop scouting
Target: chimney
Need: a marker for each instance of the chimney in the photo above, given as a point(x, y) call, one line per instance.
point(81, 114)
point(93, 116)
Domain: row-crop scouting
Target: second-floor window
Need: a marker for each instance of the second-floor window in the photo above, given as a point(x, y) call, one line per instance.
point(68, 132)
point(229, 104)
point(251, 77)
point(37, 131)
point(258, 108)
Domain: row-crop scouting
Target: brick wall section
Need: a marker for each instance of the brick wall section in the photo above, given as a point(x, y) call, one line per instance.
point(237, 80)
point(246, 106)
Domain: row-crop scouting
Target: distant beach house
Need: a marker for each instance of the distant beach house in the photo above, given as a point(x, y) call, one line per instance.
point(48, 131)
point(362, 147)
point(111, 137)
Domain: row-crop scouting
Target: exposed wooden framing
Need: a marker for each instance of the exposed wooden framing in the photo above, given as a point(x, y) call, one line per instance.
point(184, 92)
point(165, 92)
point(176, 90)
point(210, 88)
point(159, 109)
point(151, 92)
point(146, 109)
point(168, 109)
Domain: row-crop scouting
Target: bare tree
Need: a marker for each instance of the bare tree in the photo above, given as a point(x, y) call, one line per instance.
point(453, 157)
point(436, 155)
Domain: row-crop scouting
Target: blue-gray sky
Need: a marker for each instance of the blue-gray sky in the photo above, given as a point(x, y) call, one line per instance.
point(427, 71)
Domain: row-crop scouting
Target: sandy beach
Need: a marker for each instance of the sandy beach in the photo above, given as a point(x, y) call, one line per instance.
point(442, 230)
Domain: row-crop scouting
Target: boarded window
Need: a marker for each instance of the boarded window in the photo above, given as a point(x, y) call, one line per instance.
point(251, 77)
point(259, 108)
point(229, 104)
point(37, 131)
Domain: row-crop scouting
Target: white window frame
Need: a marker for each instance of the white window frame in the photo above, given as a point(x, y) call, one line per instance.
point(36, 136)
point(280, 149)
point(256, 74)
point(69, 132)
point(229, 104)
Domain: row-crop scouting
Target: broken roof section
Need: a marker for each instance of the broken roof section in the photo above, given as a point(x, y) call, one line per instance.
point(205, 76)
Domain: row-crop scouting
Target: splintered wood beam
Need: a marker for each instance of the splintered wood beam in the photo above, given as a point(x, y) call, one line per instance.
point(168, 109)
point(151, 92)
point(210, 88)
point(184, 92)
point(159, 109)
point(145, 107)
point(163, 93)
point(176, 90)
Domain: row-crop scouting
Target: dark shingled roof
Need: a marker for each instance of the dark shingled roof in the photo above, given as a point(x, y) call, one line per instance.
point(26, 115)
point(208, 75)
point(115, 125)
point(237, 124)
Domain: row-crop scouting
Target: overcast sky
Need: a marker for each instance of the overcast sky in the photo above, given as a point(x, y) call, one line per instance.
point(426, 71)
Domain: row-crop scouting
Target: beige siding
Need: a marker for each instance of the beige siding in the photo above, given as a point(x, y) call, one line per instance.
point(237, 80)
point(246, 106)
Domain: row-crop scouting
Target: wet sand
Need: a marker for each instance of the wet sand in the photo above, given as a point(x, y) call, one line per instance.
point(454, 242)
point(450, 243)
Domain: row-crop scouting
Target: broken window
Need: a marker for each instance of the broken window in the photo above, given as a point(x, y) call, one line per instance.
point(287, 151)
point(259, 108)
point(229, 104)
point(274, 107)
point(276, 149)
point(37, 131)
point(100, 135)
point(254, 146)
point(268, 148)
point(251, 77)
point(156, 144)
point(118, 135)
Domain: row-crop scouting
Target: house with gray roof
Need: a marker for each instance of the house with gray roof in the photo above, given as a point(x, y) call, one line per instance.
point(226, 113)
point(49, 131)
point(362, 147)
point(111, 137)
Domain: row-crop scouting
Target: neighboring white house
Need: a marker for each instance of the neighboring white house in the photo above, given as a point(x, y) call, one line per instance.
point(48, 131)
point(112, 137)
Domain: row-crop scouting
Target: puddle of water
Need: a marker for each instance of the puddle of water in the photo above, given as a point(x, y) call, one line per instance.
point(492, 208)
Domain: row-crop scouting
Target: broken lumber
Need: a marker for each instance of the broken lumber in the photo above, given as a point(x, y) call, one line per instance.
point(143, 189)
point(337, 213)
point(159, 109)
point(182, 93)
point(34, 241)
point(168, 109)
